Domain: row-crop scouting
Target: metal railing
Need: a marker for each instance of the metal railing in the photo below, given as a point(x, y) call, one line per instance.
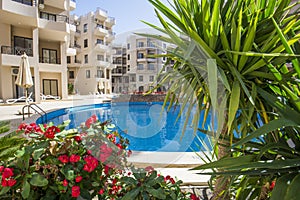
point(16, 51)
point(54, 17)
point(37, 109)
point(49, 60)
point(26, 2)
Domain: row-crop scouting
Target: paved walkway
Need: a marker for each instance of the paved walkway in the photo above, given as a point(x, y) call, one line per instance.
point(167, 163)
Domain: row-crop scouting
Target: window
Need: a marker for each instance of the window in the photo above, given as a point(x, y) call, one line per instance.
point(140, 67)
point(128, 46)
point(107, 74)
point(151, 66)
point(50, 87)
point(26, 2)
point(99, 41)
point(22, 45)
point(151, 78)
point(100, 73)
point(87, 73)
point(71, 75)
point(140, 55)
point(85, 28)
point(120, 80)
point(48, 16)
point(100, 57)
point(49, 56)
point(68, 59)
point(128, 57)
point(140, 44)
point(141, 78)
point(85, 43)
point(86, 58)
point(132, 79)
point(151, 44)
point(126, 79)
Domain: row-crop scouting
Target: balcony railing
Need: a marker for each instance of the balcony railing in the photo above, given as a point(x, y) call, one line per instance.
point(26, 2)
point(16, 50)
point(49, 60)
point(78, 61)
point(77, 46)
point(54, 17)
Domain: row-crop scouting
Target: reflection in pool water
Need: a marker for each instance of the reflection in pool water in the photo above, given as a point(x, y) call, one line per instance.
point(147, 126)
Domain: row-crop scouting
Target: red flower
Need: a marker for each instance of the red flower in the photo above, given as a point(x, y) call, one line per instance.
point(75, 191)
point(194, 197)
point(11, 182)
point(4, 183)
point(90, 121)
point(89, 152)
point(105, 152)
point(65, 183)
point(91, 163)
point(272, 185)
point(77, 138)
point(78, 179)
point(1, 168)
point(7, 172)
point(63, 158)
point(50, 132)
point(74, 158)
point(106, 169)
point(101, 191)
point(149, 169)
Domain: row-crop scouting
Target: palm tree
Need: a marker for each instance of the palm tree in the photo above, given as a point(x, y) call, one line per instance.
point(228, 53)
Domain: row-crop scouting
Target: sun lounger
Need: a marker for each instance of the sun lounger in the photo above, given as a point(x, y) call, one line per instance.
point(45, 97)
point(20, 99)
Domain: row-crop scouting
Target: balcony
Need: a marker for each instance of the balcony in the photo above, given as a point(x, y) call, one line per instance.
point(100, 31)
point(71, 51)
point(60, 4)
point(110, 21)
point(78, 47)
point(110, 37)
point(11, 56)
point(18, 12)
point(117, 72)
point(72, 5)
point(102, 63)
point(101, 14)
point(72, 28)
point(101, 47)
point(53, 27)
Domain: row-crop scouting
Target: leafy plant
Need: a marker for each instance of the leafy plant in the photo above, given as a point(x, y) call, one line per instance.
point(10, 142)
point(90, 161)
point(227, 55)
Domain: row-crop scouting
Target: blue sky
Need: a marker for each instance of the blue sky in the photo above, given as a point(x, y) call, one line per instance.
point(128, 13)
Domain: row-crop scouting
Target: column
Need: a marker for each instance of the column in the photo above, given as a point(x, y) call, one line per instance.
point(64, 70)
point(37, 85)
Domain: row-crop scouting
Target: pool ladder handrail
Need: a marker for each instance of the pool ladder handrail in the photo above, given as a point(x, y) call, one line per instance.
point(37, 109)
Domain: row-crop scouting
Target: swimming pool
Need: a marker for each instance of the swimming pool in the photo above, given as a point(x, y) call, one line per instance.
point(147, 126)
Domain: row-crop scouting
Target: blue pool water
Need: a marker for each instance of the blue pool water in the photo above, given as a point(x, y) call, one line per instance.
point(146, 125)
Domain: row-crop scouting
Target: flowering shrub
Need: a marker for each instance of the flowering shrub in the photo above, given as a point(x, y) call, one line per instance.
point(86, 162)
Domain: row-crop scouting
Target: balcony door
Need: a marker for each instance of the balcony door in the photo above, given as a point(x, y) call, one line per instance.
point(22, 44)
point(49, 56)
point(50, 87)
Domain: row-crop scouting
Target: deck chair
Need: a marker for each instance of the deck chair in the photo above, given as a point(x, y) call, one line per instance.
point(45, 97)
point(20, 99)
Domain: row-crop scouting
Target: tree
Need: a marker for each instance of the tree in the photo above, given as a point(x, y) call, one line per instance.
point(251, 43)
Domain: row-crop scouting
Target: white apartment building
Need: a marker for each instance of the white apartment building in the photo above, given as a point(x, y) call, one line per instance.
point(89, 71)
point(135, 69)
point(41, 29)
